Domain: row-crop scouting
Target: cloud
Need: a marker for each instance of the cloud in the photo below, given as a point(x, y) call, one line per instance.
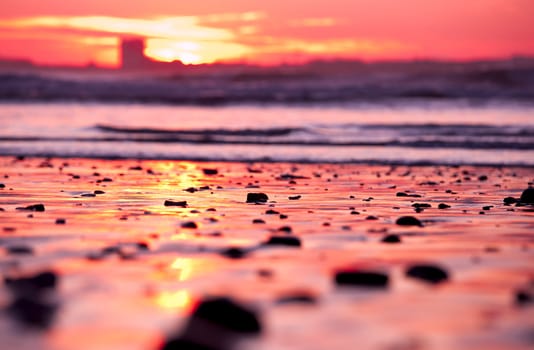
point(178, 28)
point(314, 22)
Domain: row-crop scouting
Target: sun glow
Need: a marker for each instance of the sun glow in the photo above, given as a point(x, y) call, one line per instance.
point(181, 300)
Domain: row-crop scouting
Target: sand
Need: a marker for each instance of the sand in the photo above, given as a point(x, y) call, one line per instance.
point(130, 270)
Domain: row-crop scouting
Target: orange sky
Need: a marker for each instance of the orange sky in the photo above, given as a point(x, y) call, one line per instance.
point(260, 31)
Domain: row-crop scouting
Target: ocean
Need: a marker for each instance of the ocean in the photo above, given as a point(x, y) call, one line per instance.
point(449, 132)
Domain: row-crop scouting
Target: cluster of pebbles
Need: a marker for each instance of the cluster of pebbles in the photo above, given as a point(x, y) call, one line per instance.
point(350, 229)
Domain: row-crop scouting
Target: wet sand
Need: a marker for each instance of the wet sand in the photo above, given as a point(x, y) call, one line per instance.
point(126, 271)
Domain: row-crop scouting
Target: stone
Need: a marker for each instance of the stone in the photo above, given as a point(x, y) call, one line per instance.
point(428, 273)
point(257, 197)
point(408, 221)
point(391, 238)
point(527, 196)
point(361, 278)
point(34, 207)
point(169, 203)
point(290, 241)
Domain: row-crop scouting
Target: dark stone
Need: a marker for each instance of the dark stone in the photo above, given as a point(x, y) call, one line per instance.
point(272, 212)
point(187, 344)
point(294, 198)
point(210, 171)
point(191, 190)
point(32, 312)
point(286, 229)
point(361, 278)
point(297, 298)
point(411, 195)
point(234, 252)
point(428, 273)
point(283, 216)
point(99, 192)
point(354, 212)
point(392, 238)
point(257, 197)
point(483, 178)
point(429, 183)
point(61, 221)
point(527, 196)
point(421, 205)
point(290, 241)
point(46, 280)
point(142, 245)
point(487, 207)
point(34, 207)
point(258, 221)
point(88, 195)
point(371, 217)
point(408, 221)
point(19, 250)
point(189, 224)
point(523, 297)
point(227, 314)
point(138, 167)
point(169, 203)
point(216, 324)
point(2, 186)
point(509, 200)
point(443, 206)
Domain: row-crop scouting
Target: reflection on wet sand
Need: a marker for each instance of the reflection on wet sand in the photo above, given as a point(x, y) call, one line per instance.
point(133, 273)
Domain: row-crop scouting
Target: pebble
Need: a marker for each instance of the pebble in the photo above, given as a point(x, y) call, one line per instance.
point(428, 273)
point(290, 241)
point(19, 250)
point(257, 197)
point(527, 196)
point(297, 298)
point(207, 171)
point(88, 195)
point(223, 319)
point(228, 314)
point(32, 312)
point(523, 298)
point(189, 224)
point(391, 238)
point(421, 205)
point(294, 198)
point(509, 200)
point(34, 207)
point(61, 221)
point(272, 212)
point(408, 221)
point(46, 280)
point(169, 203)
point(234, 252)
point(443, 206)
point(361, 278)
point(258, 221)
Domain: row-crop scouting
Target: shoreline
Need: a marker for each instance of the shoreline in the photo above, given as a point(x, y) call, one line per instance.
point(377, 163)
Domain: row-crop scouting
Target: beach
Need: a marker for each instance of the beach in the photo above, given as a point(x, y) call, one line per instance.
point(318, 253)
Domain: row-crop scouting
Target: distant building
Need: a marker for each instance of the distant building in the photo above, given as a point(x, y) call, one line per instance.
point(133, 55)
point(133, 58)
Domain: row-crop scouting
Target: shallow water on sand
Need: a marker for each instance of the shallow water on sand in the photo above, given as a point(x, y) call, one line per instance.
point(390, 133)
point(133, 298)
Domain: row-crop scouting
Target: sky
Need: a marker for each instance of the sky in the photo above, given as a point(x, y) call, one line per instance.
point(78, 32)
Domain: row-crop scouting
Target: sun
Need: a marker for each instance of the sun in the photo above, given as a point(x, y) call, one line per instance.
point(167, 51)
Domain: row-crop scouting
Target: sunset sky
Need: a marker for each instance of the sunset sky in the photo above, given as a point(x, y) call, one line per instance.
point(267, 32)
